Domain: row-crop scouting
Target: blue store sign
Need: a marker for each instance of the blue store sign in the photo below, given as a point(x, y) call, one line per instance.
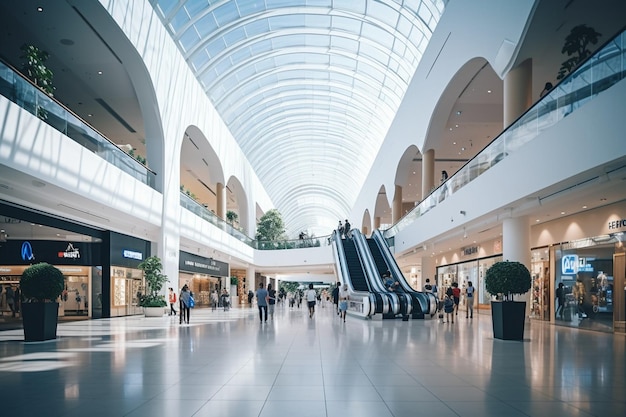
point(569, 265)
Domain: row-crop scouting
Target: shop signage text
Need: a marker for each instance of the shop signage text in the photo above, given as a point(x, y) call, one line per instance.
point(131, 254)
point(71, 252)
point(617, 224)
point(470, 250)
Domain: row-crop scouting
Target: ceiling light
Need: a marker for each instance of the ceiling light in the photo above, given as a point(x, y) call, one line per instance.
point(537, 220)
point(488, 91)
point(40, 9)
point(562, 212)
point(99, 72)
point(458, 112)
point(456, 125)
point(450, 129)
point(584, 207)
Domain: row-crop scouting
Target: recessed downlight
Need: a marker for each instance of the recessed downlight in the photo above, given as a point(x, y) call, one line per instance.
point(40, 9)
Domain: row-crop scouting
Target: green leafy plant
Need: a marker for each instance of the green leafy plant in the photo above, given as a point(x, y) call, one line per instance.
point(152, 272)
point(42, 282)
point(576, 48)
point(35, 68)
point(232, 217)
point(507, 278)
point(234, 280)
point(271, 226)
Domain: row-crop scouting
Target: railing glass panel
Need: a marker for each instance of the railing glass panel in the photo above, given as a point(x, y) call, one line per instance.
point(22, 92)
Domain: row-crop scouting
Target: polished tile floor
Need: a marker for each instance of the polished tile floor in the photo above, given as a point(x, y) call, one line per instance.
point(229, 364)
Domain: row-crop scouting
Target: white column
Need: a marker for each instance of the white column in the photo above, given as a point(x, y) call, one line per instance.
point(516, 245)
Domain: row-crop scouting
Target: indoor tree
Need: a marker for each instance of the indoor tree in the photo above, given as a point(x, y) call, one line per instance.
point(576, 48)
point(270, 226)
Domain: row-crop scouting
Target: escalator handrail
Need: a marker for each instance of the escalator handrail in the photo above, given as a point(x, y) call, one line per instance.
point(344, 278)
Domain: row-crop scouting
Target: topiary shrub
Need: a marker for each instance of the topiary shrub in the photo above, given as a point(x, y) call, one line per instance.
point(42, 282)
point(507, 278)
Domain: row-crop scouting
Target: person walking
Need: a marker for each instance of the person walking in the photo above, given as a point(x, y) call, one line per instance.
point(456, 297)
point(311, 295)
point(271, 300)
point(469, 300)
point(335, 295)
point(448, 308)
point(185, 303)
point(560, 299)
point(215, 299)
point(261, 301)
point(172, 300)
point(343, 302)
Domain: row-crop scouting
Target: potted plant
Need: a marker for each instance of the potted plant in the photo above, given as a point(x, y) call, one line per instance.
point(232, 217)
point(504, 279)
point(153, 301)
point(41, 284)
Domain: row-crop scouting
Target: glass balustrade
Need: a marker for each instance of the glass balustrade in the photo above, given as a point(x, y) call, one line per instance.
point(25, 94)
point(601, 71)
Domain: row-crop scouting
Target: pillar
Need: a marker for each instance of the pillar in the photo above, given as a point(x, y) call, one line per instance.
point(428, 172)
point(516, 245)
point(396, 210)
point(517, 91)
point(428, 271)
point(220, 194)
point(364, 230)
point(250, 279)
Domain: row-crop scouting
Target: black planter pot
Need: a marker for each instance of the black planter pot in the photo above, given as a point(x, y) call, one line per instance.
point(508, 319)
point(40, 321)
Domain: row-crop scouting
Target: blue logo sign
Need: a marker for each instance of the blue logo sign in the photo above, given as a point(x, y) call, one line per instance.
point(569, 264)
point(27, 252)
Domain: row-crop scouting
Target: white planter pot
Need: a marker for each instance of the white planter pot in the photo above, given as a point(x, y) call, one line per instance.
point(154, 311)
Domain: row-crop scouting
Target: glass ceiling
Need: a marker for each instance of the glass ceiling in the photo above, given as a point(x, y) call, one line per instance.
point(308, 88)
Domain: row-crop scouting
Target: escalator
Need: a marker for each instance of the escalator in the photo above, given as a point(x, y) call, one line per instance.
point(424, 304)
point(355, 269)
point(358, 277)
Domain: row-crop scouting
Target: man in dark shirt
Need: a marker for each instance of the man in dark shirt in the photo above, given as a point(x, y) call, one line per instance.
point(335, 295)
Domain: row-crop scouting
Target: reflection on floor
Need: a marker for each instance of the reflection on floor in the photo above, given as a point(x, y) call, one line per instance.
point(229, 364)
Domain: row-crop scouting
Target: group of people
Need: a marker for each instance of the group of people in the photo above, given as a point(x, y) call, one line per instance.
point(340, 300)
point(185, 303)
point(452, 299)
point(344, 229)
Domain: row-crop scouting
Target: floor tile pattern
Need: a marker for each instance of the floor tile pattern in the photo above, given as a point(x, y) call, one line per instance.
point(230, 364)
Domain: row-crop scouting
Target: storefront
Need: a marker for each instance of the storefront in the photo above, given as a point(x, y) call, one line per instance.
point(587, 264)
point(469, 271)
point(202, 276)
point(126, 280)
point(79, 262)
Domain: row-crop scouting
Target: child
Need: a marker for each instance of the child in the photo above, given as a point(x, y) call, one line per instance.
point(448, 308)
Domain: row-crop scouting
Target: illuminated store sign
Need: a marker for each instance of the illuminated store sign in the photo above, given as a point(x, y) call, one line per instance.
point(131, 254)
point(569, 264)
point(71, 252)
point(27, 252)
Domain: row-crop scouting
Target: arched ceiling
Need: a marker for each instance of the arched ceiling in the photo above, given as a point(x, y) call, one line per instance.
point(308, 88)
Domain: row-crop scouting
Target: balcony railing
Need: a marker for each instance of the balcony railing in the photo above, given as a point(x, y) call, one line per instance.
point(599, 72)
point(21, 91)
point(203, 212)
